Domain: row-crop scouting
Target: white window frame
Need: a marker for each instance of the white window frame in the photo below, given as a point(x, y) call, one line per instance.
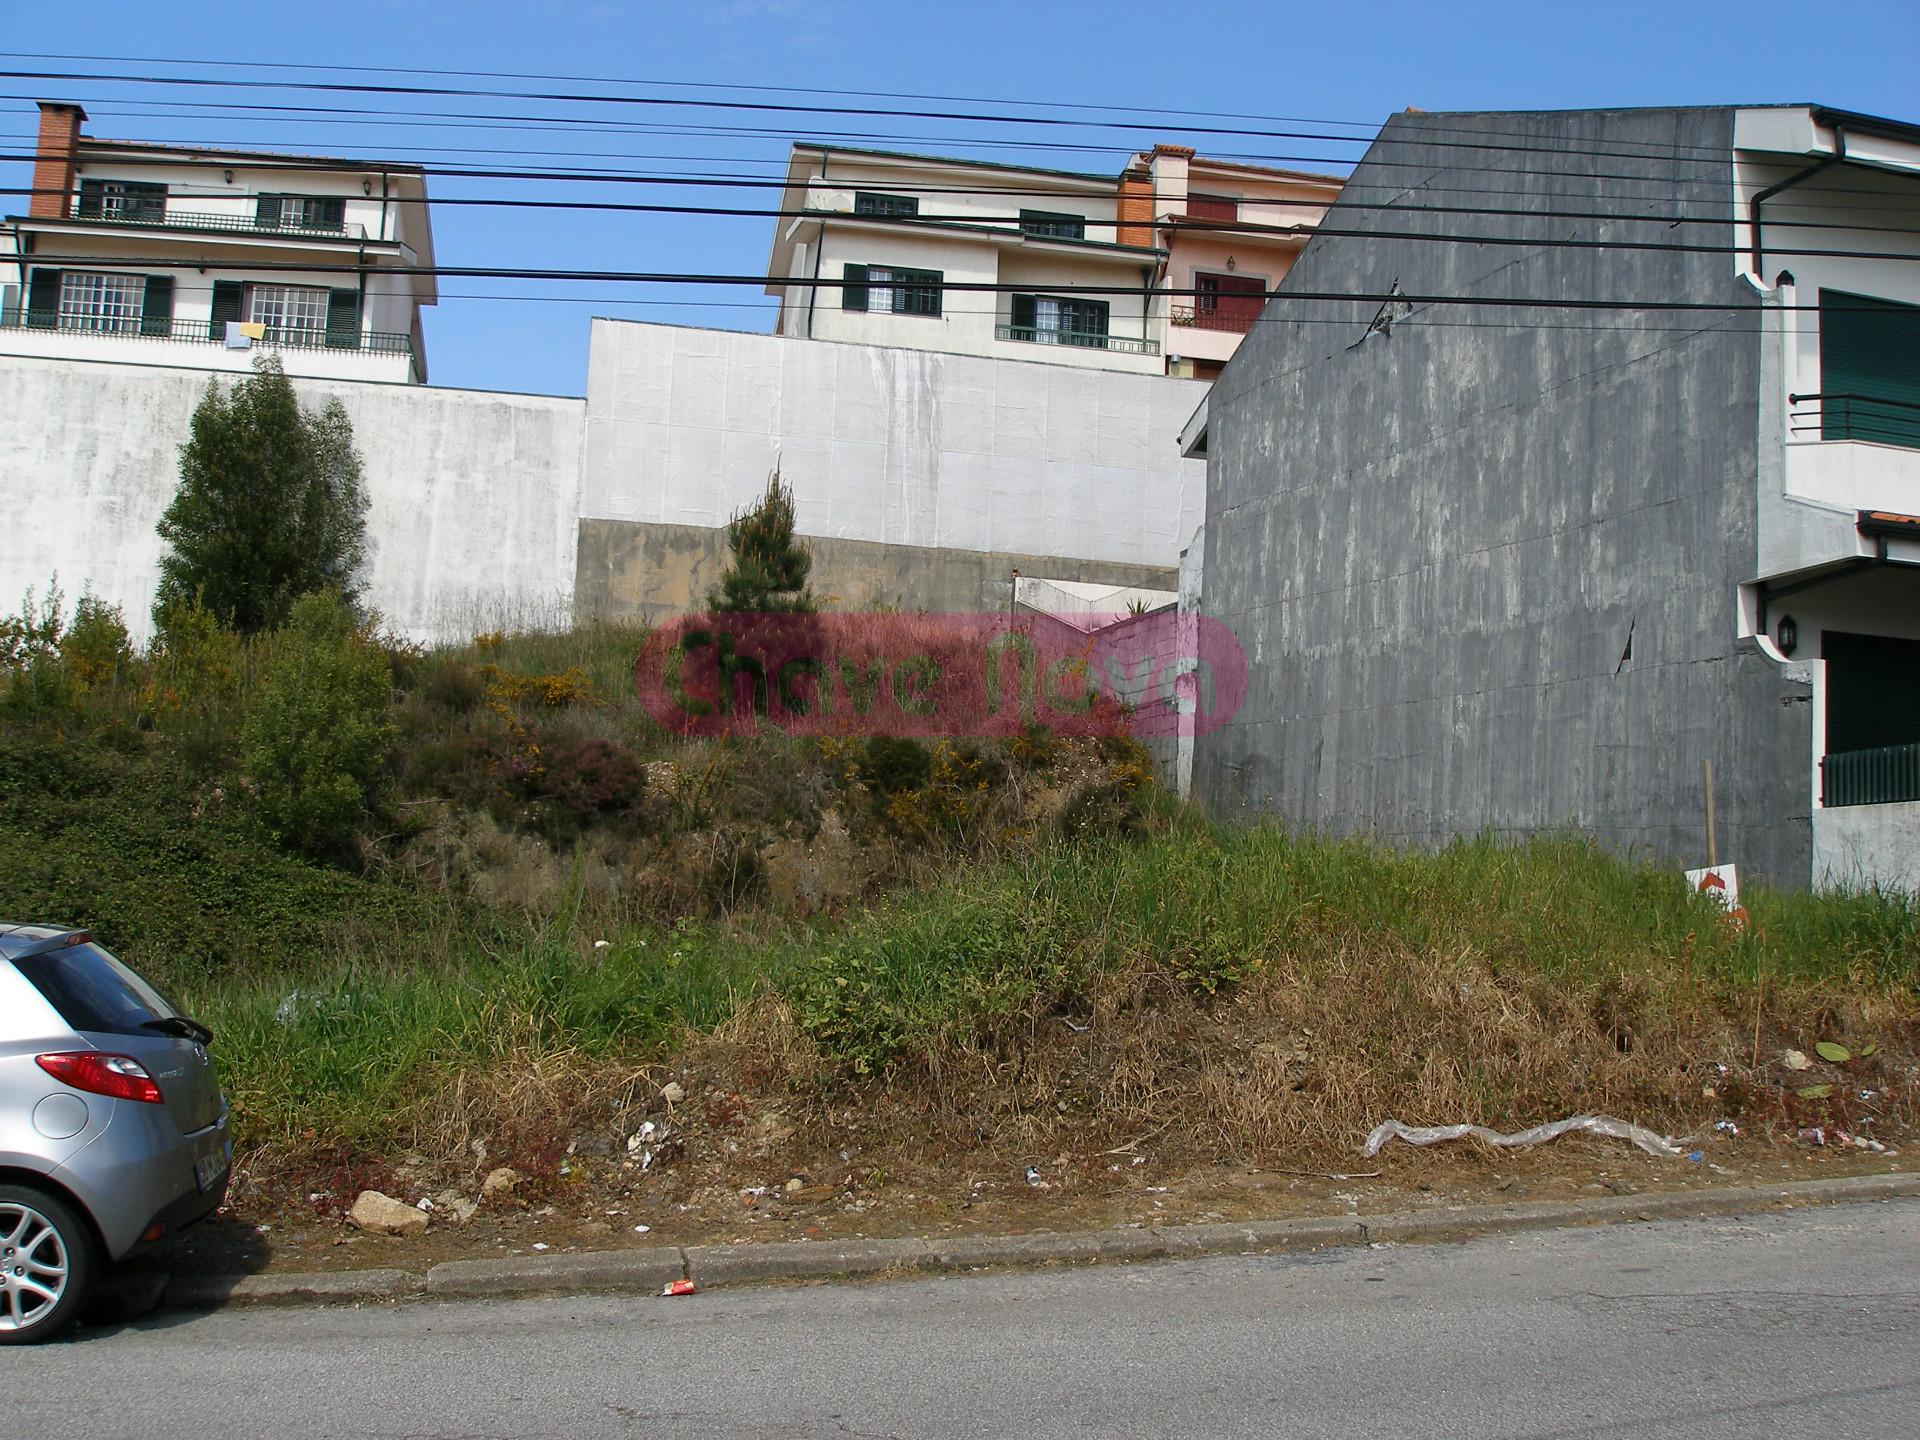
point(293, 314)
point(101, 303)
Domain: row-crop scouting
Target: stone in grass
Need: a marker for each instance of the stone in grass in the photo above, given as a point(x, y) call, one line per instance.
point(384, 1215)
point(499, 1183)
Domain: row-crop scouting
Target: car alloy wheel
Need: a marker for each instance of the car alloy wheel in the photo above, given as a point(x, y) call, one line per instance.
point(44, 1264)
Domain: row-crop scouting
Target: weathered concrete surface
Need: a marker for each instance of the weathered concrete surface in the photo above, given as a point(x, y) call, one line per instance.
point(1436, 545)
point(1859, 846)
point(472, 496)
point(654, 571)
point(910, 448)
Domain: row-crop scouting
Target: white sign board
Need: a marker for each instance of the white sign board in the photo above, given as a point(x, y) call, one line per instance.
point(1722, 882)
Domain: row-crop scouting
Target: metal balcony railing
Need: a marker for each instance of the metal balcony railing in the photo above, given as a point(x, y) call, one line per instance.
point(1086, 339)
point(1836, 415)
point(377, 342)
point(1884, 776)
point(1201, 319)
point(170, 219)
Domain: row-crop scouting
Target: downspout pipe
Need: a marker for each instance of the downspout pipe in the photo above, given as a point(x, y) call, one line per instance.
point(1838, 157)
point(819, 244)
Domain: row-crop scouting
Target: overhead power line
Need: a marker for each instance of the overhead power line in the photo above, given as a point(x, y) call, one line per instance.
point(825, 282)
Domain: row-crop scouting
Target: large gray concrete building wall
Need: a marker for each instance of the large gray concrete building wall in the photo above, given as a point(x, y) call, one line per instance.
point(1438, 545)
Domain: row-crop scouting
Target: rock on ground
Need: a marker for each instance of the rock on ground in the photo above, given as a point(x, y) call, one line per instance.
point(384, 1215)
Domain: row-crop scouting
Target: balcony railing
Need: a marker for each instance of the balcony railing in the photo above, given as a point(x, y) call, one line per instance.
point(171, 219)
point(1212, 319)
point(1884, 776)
point(1840, 416)
point(377, 342)
point(1085, 339)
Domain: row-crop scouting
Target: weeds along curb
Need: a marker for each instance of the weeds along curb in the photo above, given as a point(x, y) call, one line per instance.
point(647, 1270)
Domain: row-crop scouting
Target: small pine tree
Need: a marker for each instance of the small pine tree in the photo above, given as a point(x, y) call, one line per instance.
point(270, 505)
point(768, 573)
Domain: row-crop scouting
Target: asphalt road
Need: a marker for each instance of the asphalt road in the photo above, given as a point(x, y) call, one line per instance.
point(1806, 1322)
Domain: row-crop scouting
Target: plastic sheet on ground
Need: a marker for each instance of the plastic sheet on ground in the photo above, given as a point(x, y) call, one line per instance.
point(1598, 1124)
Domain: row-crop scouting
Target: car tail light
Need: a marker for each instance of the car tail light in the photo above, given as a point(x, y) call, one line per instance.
point(120, 1076)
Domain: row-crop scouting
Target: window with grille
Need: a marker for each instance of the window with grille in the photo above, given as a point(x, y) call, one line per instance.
point(103, 304)
point(122, 200)
point(293, 314)
point(1058, 320)
point(300, 212)
point(890, 289)
point(891, 207)
point(1051, 225)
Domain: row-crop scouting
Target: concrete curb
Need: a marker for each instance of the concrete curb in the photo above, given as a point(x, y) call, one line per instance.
point(648, 1270)
point(340, 1287)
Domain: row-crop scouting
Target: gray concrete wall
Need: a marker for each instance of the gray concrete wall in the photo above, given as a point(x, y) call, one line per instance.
point(653, 572)
point(917, 475)
point(472, 496)
point(1435, 545)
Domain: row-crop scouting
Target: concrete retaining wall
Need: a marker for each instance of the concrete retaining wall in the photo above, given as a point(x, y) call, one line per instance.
point(472, 496)
point(917, 476)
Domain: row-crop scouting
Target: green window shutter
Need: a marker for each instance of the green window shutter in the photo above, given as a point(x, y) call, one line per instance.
point(266, 212)
point(1869, 369)
point(853, 294)
point(43, 299)
point(326, 214)
point(1023, 312)
point(228, 298)
point(90, 193)
point(156, 306)
point(343, 319)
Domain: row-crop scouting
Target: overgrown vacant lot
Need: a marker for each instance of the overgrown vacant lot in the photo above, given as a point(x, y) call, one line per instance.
point(853, 964)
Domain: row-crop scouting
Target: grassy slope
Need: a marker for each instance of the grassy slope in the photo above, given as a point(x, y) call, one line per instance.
point(1257, 992)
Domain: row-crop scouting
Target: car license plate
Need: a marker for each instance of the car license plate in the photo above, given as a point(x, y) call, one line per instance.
point(208, 1169)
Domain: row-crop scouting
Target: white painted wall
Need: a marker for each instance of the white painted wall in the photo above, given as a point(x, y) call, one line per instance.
point(890, 445)
point(1859, 846)
point(472, 495)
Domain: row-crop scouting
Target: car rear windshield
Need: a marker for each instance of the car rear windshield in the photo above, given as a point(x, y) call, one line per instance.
point(92, 991)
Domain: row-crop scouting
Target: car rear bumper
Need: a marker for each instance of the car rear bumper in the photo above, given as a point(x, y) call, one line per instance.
point(140, 1171)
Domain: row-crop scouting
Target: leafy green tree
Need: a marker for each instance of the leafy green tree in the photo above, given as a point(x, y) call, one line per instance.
point(315, 737)
point(769, 569)
point(270, 505)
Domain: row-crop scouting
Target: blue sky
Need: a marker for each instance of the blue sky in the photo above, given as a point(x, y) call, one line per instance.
point(1354, 62)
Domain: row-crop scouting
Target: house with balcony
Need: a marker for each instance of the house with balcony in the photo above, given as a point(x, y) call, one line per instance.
point(1589, 484)
point(184, 256)
point(1015, 262)
point(1230, 233)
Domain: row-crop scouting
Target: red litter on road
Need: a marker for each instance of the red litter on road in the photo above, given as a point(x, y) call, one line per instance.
point(679, 1287)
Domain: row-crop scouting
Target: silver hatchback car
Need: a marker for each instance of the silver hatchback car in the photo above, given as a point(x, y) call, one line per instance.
point(113, 1130)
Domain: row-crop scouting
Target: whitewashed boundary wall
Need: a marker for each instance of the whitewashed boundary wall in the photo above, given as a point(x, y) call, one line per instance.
point(473, 496)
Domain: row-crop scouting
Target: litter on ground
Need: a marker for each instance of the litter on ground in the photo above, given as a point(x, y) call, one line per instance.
point(1598, 1124)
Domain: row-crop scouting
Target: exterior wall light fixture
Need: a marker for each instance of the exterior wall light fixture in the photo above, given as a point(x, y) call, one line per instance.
point(1786, 635)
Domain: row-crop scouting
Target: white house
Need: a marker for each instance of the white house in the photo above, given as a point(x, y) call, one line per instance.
point(900, 237)
point(1159, 270)
point(180, 256)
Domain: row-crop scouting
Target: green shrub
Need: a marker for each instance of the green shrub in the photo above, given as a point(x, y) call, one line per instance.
point(955, 968)
point(594, 777)
point(270, 505)
point(96, 649)
point(892, 763)
point(316, 734)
